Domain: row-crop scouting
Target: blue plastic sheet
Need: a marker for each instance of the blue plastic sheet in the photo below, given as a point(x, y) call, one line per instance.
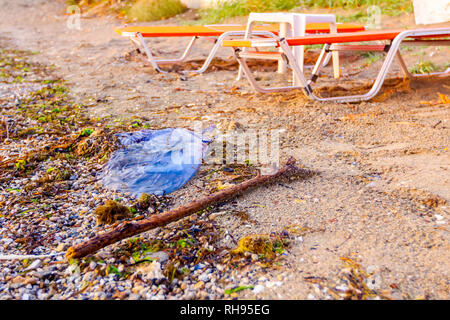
point(154, 161)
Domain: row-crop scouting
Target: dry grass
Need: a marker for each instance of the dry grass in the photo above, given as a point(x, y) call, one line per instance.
point(133, 10)
point(150, 10)
point(227, 9)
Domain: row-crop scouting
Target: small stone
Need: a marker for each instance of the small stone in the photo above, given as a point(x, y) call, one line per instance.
point(134, 296)
point(161, 256)
point(213, 216)
point(220, 267)
point(151, 271)
point(371, 269)
point(73, 269)
point(61, 247)
point(137, 289)
point(18, 279)
point(120, 295)
point(258, 289)
point(199, 285)
point(271, 284)
point(190, 295)
point(34, 265)
point(342, 288)
point(30, 281)
point(7, 240)
point(204, 277)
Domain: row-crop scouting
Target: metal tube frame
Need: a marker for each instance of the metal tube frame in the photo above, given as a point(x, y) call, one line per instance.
point(138, 40)
point(392, 51)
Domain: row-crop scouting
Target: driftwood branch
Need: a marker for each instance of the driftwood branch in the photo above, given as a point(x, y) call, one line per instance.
point(132, 228)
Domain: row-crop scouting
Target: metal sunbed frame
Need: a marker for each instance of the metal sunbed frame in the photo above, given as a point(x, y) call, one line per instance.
point(215, 33)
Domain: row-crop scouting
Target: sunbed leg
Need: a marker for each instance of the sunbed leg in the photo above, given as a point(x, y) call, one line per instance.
point(298, 72)
point(148, 53)
point(324, 54)
point(135, 43)
point(248, 73)
point(336, 70)
point(402, 63)
point(189, 47)
point(218, 44)
point(248, 31)
point(390, 55)
point(208, 60)
point(240, 71)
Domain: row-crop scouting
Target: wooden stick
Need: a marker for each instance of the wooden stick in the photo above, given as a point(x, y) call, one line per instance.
point(131, 228)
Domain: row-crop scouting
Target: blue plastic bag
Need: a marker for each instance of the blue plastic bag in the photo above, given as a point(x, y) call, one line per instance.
point(154, 161)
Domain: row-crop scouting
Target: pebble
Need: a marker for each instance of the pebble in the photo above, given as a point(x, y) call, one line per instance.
point(34, 265)
point(61, 247)
point(199, 285)
point(342, 288)
point(29, 281)
point(161, 256)
point(134, 296)
point(152, 270)
point(7, 241)
point(190, 295)
point(92, 265)
point(204, 277)
point(258, 289)
point(73, 268)
point(270, 284)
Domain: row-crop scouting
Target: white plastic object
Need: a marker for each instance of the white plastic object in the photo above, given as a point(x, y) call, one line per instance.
point(434, 11)
point(293, 25)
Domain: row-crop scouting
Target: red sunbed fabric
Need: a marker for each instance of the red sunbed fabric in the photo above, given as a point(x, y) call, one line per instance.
point(217, 30)
point(332, 38)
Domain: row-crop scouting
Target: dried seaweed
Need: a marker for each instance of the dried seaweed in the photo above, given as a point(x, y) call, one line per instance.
point(111, 212)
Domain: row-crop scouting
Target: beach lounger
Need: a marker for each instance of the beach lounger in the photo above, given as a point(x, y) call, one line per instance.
point(337, 42)
point(218, 33)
